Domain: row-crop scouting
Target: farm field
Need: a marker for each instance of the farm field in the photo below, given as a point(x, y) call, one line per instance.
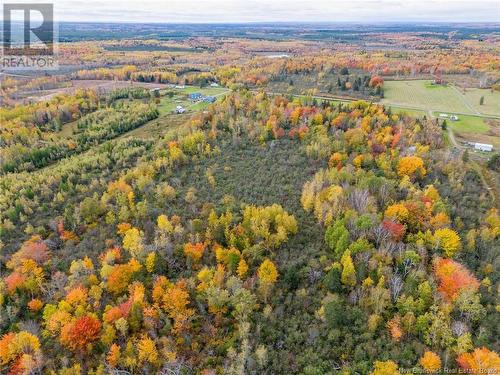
point(468, 124)
point(471, 128)
point(421, 94)
point(491, 104)
point(475, 129)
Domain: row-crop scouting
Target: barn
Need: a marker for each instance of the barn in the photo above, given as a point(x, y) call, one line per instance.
point(483, 147)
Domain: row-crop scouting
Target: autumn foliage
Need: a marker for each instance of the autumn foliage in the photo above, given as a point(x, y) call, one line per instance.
point(78, 334)
point(480, 361)
point(194, 251)
point(411, 166)
point(430, 361)
point(448, 240)
point(453, 278)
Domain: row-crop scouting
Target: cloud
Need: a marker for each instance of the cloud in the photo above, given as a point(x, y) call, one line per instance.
point(227, 11)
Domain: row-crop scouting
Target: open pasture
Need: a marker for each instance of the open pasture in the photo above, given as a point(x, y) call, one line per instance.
point(475, 129)
point(468, 124)
point(423, 95)
point(491, 101)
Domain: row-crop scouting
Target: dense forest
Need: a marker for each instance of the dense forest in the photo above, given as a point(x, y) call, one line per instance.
point(267, 234)
point(253, 199)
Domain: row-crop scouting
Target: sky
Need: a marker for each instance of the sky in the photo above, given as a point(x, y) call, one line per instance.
point(242, 11)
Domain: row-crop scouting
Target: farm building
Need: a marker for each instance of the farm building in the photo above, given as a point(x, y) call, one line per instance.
point(451, 117)
point(483, 147)
point(214, 84)
point(195, 96)
point(209, 99)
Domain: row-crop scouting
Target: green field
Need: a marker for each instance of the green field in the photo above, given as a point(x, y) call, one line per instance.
point(491, 105)
point(423, 95)
point(474, 129)
point(410, 112)
point(468, 124)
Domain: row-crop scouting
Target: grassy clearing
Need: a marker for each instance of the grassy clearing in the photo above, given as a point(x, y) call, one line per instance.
point(168, 104)
point(476, 129)
point(491, 105)
point(158, 127)
point(446, 138)
point(68, 130)
point(407, 111)
point(424, 96)
point(203, 91)
point(468, 124)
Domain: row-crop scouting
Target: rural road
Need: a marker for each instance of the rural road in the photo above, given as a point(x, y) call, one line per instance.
point(451, 136)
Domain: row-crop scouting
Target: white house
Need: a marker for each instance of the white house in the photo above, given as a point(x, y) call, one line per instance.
point(180, 109)
point(443, 115)
point(483, 147)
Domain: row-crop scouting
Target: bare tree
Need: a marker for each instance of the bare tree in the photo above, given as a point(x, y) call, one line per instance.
point(174, 368)
point(459, 328)
point(359, 199)
point(396, 286)
point(56, 286)
point(380, 235)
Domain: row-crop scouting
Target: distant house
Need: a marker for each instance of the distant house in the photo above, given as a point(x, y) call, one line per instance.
point(180, 87)
point(214, 84)
point(443, 115)
point(195, 96)
point(180, 109)
point(483, 147)
point(209, 99)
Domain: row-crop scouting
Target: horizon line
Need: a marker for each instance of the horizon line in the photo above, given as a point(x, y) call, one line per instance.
point(393, 22)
